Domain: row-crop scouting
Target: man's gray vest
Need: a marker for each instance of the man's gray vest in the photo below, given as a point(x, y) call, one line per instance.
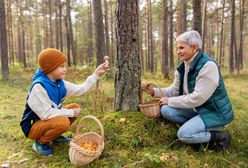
point(217, 110)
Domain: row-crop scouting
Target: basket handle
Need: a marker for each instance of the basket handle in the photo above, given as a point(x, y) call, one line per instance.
point(94, 119)
point(152, 84)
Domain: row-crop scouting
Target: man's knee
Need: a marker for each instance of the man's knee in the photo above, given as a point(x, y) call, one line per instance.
point(184, 135)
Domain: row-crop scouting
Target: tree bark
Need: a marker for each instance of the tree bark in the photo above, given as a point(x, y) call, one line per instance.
point(4, 42)
point(232, 50)
point(99, 28)
point(150, 37)
point(171, 37)
point(106, 26)
point(165, 58)
point(181, 16)
point(128, 69)
point(90, 35)
point(221, 51)
point(197, 20)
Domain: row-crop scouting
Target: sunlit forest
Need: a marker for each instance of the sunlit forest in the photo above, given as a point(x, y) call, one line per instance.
point(139, 36)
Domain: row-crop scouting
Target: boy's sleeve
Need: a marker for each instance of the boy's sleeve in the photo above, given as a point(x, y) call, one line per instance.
point(77, 90)
point(41, 104)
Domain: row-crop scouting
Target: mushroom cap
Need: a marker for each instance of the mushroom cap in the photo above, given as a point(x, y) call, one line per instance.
point(106, 57)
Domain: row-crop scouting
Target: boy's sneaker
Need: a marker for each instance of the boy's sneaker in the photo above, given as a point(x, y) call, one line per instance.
point(43, 149)
point(62, 139)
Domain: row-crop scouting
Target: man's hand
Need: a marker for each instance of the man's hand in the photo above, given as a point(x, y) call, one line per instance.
point(147, 88)
point(76, 111)
point(163, 101)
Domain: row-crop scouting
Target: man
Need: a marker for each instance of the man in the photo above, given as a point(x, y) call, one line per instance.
point(197, 100)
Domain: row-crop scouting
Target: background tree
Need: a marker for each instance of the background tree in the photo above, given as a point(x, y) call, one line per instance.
point(181, 16)
point(4, 42)
point(171, 36)
point(165, 55)
point(197, 20)
point(232, 40)
point(150, 52)
point(99, 28)
point(128, 69)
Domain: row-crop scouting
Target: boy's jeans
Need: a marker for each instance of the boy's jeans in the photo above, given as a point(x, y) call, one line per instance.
point(193, 128)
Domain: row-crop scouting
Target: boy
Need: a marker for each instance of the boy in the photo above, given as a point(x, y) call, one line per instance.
point(44, 120)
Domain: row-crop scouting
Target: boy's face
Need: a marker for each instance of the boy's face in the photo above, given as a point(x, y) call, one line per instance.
point(58, 73)
point(185, 51)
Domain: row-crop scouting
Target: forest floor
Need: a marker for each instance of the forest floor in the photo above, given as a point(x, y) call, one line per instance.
point(139, 142)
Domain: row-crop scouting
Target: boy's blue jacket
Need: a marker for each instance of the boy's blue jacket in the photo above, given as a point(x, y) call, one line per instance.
point(56, 92)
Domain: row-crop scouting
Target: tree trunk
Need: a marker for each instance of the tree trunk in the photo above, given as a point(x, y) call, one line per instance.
point(204, 20)
point(50, 24)
point(197, 20)
point(112, 34)
point(140, 44)
point(165, 58)
point(221, 51)
point(128, 69)
point(106, 26)
point(90, 35)
point(99, 28)
point(241, 39)
point(232, 50)
point(45, 25)
point(21, 42)
point(150, 37)
point(181, 16)
point(4, 42)
point(171, 37)
point(60, 6)
point(10, 33)
point(68, 37)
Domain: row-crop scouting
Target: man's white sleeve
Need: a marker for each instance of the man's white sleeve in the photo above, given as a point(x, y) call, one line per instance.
point(206, 83)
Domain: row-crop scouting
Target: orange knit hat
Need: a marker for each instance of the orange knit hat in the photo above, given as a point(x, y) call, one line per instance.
point(49, 59)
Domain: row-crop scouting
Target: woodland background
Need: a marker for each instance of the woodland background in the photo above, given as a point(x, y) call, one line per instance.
point(139, 37)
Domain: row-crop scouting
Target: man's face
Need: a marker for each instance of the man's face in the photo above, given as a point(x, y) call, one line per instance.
point(185, 51)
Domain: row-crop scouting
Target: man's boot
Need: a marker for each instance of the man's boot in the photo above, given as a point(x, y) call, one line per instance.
point(220, 140)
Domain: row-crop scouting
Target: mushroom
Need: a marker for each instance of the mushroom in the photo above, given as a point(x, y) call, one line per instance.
point(122, 120)
point(106, 59)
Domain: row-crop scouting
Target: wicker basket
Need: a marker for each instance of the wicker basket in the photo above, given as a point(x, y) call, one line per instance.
point(150, 108)
point(80, 156)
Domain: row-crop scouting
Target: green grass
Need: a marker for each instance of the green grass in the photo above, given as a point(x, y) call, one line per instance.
point(139, 142)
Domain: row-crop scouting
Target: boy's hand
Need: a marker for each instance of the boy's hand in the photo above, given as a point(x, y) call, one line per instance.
point(147, 88)
point(76, 111)
point(101, 69)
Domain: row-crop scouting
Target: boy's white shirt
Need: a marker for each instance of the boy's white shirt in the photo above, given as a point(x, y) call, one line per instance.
point(41, 104)
point(206, 83)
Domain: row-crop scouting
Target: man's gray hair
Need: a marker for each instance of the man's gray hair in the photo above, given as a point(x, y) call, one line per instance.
point(191, 37)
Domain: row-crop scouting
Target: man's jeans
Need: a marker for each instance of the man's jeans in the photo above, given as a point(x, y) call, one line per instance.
point(193, 128)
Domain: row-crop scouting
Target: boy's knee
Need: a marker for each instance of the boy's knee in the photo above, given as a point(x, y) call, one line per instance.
point(71, 105)
point(63, 123)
